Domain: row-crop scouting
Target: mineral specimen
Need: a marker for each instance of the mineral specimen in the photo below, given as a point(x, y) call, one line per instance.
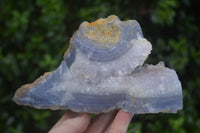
point(103, 70)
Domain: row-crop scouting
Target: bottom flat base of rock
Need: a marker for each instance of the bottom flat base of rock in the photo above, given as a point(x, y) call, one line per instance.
point(104, 103)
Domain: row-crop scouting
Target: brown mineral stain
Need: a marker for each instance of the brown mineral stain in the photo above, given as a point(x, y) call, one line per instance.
point(166, 111)
point(103, 31)
point(67, 51)
point(56, 107)
point(22, 90)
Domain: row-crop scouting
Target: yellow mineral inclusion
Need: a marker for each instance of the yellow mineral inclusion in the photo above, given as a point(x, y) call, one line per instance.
point(103, 31)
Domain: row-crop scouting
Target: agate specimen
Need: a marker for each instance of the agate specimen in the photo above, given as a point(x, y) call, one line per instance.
point(103, 70)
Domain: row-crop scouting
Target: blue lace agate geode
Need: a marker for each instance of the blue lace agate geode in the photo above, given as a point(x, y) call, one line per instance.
point(102, 71)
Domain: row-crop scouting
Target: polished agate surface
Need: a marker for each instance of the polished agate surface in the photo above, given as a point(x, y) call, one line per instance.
point(104, 70)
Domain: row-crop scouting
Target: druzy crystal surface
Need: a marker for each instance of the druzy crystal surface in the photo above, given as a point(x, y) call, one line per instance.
point(103, 70)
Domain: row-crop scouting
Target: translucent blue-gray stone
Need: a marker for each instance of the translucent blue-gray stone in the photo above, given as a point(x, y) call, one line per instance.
point(102, 71)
